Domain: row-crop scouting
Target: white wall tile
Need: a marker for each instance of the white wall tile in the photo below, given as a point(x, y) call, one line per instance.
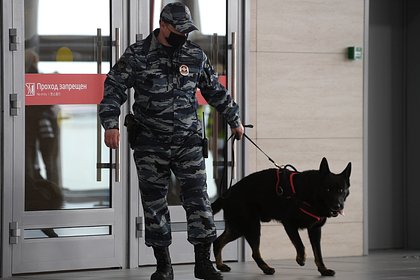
point(253, 25)
point(251, 99)
point(309, 95)
point(308, 104)
point(320, 26)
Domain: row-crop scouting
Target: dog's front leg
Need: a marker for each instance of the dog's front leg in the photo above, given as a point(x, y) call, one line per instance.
point(294, 236)
point(315, 238)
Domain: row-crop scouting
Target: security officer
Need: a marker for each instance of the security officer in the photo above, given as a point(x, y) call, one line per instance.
point(165, 69)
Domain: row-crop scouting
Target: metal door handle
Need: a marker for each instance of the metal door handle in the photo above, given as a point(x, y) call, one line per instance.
point(215, 116)
point(99, 164)
point(214, 139)
point(117, 56)
point(233, 87)
point(234, 56)
point(99, 45)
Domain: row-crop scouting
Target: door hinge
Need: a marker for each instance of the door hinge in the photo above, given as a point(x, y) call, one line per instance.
point(14, 104)
point(139, 227)
point(14, 233)
point(13, 39)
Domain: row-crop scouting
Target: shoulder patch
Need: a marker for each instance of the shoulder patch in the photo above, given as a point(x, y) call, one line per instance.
point(194, 44)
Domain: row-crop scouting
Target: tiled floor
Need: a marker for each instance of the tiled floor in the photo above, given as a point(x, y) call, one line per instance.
point(389, 265)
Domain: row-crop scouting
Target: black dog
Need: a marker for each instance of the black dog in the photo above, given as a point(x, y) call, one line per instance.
point(296, 199)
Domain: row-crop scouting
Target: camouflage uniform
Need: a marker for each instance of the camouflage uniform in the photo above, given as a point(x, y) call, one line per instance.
point(170, 135)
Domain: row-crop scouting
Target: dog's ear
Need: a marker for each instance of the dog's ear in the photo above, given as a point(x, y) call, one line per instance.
point(346, 172)
point(324, 168)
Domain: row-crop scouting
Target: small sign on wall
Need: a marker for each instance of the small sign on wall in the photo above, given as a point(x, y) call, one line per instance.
point(354, 53)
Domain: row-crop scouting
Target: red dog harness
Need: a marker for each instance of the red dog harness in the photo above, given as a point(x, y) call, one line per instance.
point(280, 191)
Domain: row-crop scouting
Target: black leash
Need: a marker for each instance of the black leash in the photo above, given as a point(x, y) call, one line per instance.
point(255, 144)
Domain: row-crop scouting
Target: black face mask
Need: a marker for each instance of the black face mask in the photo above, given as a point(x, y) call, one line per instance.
point(176, 40)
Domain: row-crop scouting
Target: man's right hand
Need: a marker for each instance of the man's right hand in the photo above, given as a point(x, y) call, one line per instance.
point(112, 138)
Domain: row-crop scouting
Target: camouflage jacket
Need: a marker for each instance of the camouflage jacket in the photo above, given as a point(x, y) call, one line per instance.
point(165, 100)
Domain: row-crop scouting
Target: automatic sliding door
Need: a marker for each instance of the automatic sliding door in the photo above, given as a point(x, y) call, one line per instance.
point(71, 214)
point(210, 18)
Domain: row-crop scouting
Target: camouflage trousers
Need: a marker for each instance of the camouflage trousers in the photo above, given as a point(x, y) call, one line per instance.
point(184, 157)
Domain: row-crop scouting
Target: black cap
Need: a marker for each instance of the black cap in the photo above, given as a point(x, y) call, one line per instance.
point(179, 16)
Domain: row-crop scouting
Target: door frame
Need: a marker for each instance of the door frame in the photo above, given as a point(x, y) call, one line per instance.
point(141, 25)
point(138, 28)
point(12, 83)
point(13, 156)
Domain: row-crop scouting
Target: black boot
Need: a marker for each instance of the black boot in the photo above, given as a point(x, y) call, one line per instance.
point(164, 269)
point(203, 267)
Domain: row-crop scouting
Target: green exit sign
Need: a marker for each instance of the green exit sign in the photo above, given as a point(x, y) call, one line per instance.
point(354, 53)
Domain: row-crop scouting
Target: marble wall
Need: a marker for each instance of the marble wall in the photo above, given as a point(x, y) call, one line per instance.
point(305, 98)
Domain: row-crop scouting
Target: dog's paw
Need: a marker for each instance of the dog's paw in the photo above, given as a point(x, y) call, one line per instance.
point(268, 270)
point(301, 259)
point(223, 268)
point(326, 272)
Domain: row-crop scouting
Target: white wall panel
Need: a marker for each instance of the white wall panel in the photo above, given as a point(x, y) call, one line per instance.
point(321, 26)
point(309, 95)
point(308, 100)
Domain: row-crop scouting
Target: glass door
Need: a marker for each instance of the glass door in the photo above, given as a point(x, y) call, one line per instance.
point(211, 19)
point(69, 212)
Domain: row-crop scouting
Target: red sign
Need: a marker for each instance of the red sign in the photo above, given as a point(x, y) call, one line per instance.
point(200, 98)
point(48, 89)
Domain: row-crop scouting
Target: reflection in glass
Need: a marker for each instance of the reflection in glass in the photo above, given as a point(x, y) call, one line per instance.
point(60, 164)
point(211, 37)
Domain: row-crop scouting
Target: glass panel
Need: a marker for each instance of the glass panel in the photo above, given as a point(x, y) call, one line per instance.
point(60, 135)
point(66, 232)
point(211, 36)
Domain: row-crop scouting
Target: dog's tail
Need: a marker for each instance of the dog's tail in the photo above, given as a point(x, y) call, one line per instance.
point(217, 205)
